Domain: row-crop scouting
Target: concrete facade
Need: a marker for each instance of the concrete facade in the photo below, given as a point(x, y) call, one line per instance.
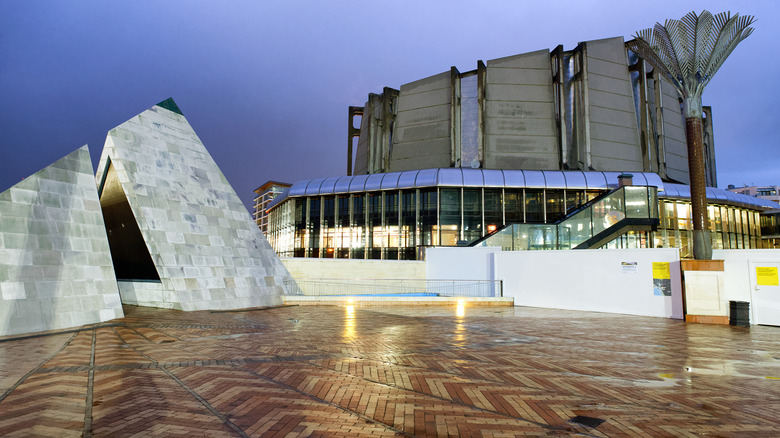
point(55, 265)
point(180, 236)
point(345, 269)
point(613, 136)
point(520, 132)
point(595, 107)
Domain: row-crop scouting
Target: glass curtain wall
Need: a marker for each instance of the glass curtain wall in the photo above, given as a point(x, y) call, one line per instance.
point(408, 225)
point(730, 227)
point(343, 232)
point(391, 229)
point(376, 237)
point(429, 217)
point(449, 216)
point(358, 213)
point(328, 227)
point(394, 224)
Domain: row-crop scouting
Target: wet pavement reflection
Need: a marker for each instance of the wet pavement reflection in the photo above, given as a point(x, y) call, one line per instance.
point(416, 371)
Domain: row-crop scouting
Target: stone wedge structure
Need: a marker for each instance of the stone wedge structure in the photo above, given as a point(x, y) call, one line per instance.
point(55, 265)
point(180, 236)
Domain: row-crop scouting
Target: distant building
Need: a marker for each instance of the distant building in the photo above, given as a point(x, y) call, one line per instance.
point(530, 151)
point(263, 196)
point(770, 220)
point(764, 192)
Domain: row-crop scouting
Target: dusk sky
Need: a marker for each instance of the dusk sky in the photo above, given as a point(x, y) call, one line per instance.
point(266, 84)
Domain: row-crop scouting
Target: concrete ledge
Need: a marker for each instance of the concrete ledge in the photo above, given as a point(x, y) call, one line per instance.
point(370, 301)
point(707, 319)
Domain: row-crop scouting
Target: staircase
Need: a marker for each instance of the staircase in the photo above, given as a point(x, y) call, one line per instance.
point(625, 209)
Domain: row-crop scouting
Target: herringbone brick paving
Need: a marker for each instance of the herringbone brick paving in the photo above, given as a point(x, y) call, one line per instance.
point(398, 371)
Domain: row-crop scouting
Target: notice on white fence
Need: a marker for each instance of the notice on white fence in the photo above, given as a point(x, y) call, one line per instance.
point(662, 279)
point(628, 267)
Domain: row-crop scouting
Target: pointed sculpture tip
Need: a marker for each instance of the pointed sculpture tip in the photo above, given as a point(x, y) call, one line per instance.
point(170, 105)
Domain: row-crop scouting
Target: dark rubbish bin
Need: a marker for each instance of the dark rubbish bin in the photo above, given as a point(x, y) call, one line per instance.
point(739, 313)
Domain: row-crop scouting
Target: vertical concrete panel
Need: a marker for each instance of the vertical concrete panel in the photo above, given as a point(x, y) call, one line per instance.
point(422, 137)
point(55, 266)
point(614, 136)
point(205, 246)
point(675, 143)
point(520, 130)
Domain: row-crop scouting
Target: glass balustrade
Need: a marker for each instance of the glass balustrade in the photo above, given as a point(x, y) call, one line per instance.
point(599, 216)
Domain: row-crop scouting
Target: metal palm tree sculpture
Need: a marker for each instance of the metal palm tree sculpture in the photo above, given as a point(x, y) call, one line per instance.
point(687, 53)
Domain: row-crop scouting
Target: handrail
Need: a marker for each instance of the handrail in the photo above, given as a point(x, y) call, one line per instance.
point(605, 217)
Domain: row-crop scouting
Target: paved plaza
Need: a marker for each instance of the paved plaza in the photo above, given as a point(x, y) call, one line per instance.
point(391, 371)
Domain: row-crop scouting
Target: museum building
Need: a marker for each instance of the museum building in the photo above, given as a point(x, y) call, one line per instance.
point(544, 150)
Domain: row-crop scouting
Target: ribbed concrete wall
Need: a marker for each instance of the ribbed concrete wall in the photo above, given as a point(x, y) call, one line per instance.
point(55, 265)
point(520, 118)
point(674, 135)
point(423, 137)
point(203, 243)
point(614, 138)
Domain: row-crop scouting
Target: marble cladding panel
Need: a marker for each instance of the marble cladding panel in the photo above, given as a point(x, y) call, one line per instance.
point(207, 249)
point(55, 266)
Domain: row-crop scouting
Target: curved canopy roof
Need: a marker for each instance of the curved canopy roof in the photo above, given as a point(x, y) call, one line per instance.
point(463, 177)
point(543, 179)
point(681, 191)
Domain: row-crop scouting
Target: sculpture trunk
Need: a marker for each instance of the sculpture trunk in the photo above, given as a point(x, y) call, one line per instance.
point(702, 243)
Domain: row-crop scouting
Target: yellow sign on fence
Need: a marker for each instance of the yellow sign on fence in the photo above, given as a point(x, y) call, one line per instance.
point(662, 281)
point(661, 270)
point(766, 276)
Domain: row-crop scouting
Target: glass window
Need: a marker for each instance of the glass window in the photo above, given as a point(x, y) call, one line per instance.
point(592, 194)
point(328, 226)
point(714, 212)
point(534, 205)
point(343, 231)
point(428, 217)
point(717, 240)
point(513, 205)
point(391, 225)
point(449, 216)
point(685, 239)
point(472, 214)
point(374, 228)
point(494, 217)
point(358, 227)
point(555, 205)
point(408, 221)
point(671, 238)
point(313, 247)
point(574, 199)
point(637, 202)
point(299, 249)
point(669, 220)
point(756, 231)
point(737, 225)
point(684, 217)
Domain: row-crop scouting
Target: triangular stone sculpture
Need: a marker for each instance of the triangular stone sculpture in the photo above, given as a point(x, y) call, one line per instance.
point(194, 245)
point(55, 266)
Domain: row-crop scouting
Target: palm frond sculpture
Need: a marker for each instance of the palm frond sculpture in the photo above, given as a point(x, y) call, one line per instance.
point(687, 53)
